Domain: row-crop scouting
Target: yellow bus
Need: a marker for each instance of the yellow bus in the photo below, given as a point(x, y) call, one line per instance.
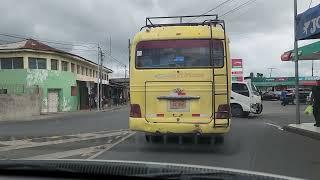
point(180, 78)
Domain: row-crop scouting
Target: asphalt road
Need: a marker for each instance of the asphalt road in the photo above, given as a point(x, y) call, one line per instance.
point(256, 143)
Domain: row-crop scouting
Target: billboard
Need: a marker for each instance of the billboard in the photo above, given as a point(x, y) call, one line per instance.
point(237, 70)
point(308, 24)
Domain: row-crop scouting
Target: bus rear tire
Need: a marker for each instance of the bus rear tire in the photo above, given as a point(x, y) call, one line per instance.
point(147, 137)
point(218, 140)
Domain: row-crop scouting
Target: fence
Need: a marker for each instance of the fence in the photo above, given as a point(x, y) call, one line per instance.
point(18, 89)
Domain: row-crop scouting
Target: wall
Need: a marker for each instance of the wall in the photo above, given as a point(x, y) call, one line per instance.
point(45, 79)
point(19, 106)
point(48, 79)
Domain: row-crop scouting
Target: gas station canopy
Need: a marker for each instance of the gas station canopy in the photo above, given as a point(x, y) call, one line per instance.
point(308, 52)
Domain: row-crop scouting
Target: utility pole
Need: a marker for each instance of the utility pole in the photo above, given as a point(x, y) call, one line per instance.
point(312, 69)
point(110, 45)
point(98, 79)
point(125, 71)
point(270, 74)
point(296, 59)
point(100, 75)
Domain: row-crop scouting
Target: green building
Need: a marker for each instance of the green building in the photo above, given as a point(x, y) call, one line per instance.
point(281, 83)
point(64, 80)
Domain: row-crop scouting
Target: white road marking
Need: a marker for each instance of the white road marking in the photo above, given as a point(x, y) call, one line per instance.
point(58, 155)
point(111, 146)
point(79, 137)
point(274, 125)
point(95, 150)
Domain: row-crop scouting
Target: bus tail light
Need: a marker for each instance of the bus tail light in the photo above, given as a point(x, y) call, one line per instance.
point(223, 111)
point(160, 115)
point(135, 111)
point(195, 115)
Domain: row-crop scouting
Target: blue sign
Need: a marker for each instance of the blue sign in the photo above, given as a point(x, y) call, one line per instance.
point(308, 24)
point(179, 59)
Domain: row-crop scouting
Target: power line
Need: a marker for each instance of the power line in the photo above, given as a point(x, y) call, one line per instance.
point(50, 41)
point(113, 58)
point(216, 7)
point(238, 7)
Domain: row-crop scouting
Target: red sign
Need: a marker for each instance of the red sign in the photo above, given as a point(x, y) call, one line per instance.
point(240, 78)
point(286, 56)
point(237, 72)
point(236, 63)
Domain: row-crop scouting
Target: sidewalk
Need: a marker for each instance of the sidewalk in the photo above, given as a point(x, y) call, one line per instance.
point(305, 129)
point(63, 114)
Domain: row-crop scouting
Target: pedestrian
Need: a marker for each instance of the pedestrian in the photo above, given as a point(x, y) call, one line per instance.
point(283, 98)
point(315, 99)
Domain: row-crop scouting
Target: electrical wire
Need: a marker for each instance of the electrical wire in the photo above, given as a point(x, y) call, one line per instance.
point(216, 7)
point(238, 7)
point(49, 41)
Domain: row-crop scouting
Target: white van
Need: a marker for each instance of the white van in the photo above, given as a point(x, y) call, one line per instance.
point(245, 99)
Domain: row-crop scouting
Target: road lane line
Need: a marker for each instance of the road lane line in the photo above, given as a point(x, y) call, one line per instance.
point(111, 146)
point(274, 125)
point(38, 144)
point(31, 140)
point(63, 154)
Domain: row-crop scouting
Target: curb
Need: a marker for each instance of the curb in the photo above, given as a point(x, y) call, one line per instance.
point(49, 116)
point(303, 132)
point(115, 108)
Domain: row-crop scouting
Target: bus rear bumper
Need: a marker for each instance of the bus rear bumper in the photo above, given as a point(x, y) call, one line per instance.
point(140, 124)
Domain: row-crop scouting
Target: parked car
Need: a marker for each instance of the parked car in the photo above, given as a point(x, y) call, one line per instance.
point(303, 94)
point(270, 95)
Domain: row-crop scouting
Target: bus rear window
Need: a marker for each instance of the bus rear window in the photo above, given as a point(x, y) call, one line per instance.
point(179, 54)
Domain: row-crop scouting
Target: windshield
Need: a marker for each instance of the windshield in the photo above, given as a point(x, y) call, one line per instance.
point(207, 83)
point(179, 54)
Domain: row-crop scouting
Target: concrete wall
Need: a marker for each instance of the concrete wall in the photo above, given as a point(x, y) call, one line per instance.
point(48, 79)
point(17, 107)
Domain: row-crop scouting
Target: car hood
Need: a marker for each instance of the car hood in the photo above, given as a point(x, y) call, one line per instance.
point(134, 168)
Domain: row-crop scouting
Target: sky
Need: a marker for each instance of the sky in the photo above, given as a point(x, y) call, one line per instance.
point(259, 32)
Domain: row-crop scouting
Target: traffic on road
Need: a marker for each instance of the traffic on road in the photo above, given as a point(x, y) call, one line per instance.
point(226, 89)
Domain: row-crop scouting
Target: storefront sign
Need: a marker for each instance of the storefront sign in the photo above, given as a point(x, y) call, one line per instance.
point(308, 24)
point(237, 70)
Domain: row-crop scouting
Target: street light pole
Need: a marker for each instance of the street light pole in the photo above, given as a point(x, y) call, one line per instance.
point(270, 73)
point(296, 64)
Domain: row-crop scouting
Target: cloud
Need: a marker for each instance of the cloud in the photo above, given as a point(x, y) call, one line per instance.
point(259, 32)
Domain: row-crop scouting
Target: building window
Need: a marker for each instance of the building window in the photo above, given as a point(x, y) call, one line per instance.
point(74, 91)
point(107, 76)
point(64, 65)
point(54, 64)
point(90, 72)
point(11, 63)
point(72, 67)
point(96, 73)
point(82, 70)
point(86, 71)
point(37, 63)
point(3, 91)
point(78, 69)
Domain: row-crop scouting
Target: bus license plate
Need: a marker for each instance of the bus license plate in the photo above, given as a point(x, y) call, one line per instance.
point(178, 104)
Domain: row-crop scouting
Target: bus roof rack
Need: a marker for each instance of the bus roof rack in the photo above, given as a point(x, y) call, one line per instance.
point(214, 20)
